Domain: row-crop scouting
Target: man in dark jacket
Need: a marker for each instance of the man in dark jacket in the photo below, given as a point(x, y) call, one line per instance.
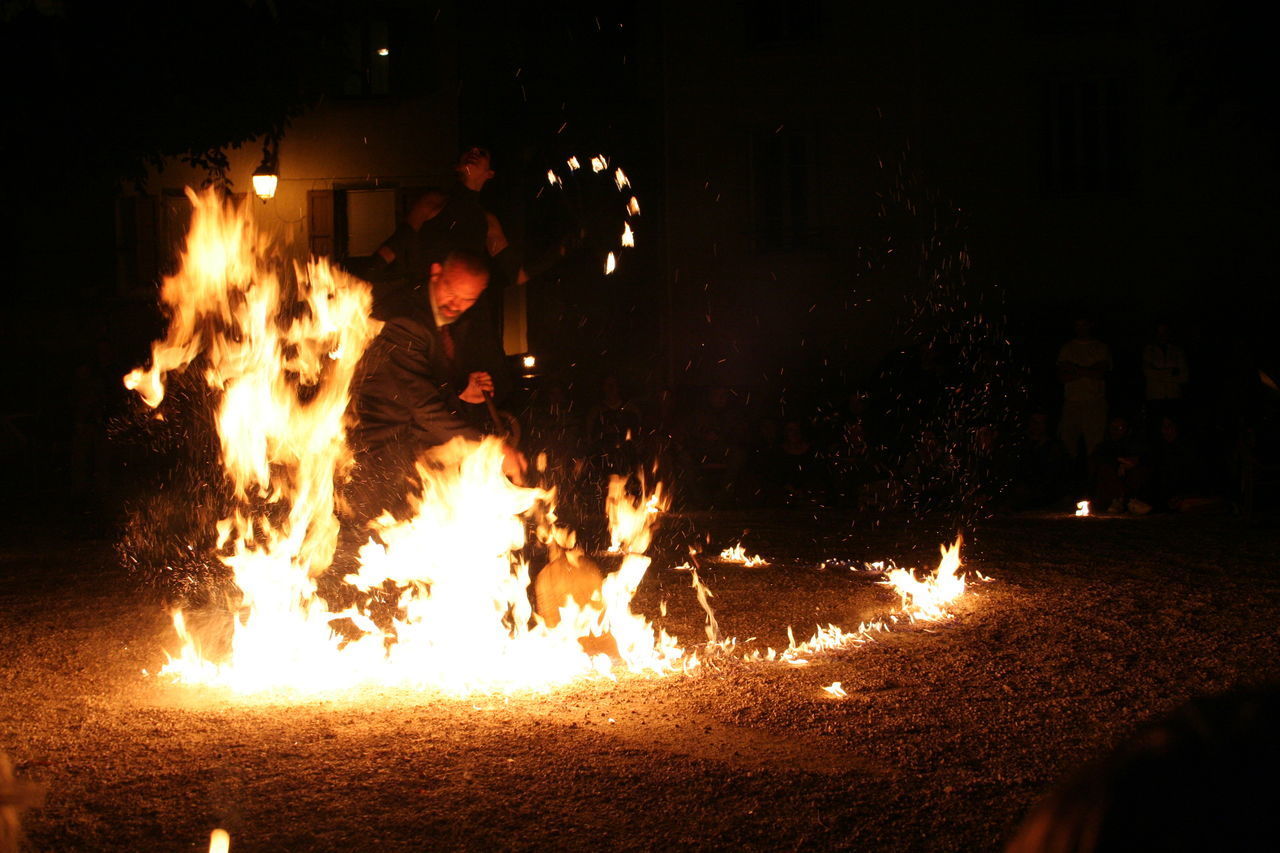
point(422, 382)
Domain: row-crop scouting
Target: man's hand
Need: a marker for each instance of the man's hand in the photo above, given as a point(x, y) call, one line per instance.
point(514, 464)
point(478, 384)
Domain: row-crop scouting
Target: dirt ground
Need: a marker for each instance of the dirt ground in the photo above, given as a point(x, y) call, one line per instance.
point(948, 733)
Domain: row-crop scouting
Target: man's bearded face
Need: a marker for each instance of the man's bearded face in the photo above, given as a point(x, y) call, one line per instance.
point(455, 289)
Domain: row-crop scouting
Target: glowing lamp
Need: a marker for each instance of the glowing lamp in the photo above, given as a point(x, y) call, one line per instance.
point(264, 182)
point(529, 362)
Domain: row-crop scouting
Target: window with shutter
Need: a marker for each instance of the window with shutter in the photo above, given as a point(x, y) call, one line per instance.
point(320, 222)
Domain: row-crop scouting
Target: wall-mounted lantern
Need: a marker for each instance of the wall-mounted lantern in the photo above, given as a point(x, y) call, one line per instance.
point(264, 181)
point(267, 175)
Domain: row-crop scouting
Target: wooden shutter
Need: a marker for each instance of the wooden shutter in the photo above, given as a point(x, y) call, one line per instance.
point(320, 222)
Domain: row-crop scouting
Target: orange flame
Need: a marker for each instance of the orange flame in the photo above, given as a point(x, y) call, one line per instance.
point(738, 554)
point(921, 599)
point(460, 617)
point(926, 599)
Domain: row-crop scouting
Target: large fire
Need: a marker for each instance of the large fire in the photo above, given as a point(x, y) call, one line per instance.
point(455, 611)
point(440, 600)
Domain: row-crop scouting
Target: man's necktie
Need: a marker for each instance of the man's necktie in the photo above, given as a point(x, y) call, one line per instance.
point(446, 342)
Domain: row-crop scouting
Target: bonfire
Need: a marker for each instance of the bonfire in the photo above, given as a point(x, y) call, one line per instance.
point(279, 352)
point(439, 600)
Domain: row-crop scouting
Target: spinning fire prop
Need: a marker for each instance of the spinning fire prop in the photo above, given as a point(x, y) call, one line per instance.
point(600, 164)
point(437, 601)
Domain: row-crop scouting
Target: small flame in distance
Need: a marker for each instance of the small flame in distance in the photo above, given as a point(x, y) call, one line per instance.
point(738, 554)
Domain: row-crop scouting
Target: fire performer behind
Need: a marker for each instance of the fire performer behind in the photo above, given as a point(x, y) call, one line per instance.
point(422, 382)
point(438, 222)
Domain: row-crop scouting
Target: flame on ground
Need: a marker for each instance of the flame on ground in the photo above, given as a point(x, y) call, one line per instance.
point(927, 598)
point(922, 599)
point(219, 841)
point(1082, 508)
point(438, 601)
point(738, 554)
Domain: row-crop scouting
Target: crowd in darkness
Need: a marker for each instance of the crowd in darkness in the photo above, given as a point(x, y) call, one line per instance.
point(726, 448)
point(1134, 439)
point(1170, 427)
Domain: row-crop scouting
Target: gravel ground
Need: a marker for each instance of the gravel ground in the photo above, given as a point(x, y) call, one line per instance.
point(948, 733)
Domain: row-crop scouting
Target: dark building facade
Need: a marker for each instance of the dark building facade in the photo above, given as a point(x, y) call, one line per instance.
point(1051, 157)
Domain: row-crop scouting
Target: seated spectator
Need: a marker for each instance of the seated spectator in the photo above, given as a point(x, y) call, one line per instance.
point(713, 441)
point(762, 467)
point(1121, 470)
point(1040, 478)
point(802, 475)
point(928, 472)
point(613, 429)
point(1179, 481)
point(860, 475)
point(658, 431)
point(555, 428)
point(989, 468)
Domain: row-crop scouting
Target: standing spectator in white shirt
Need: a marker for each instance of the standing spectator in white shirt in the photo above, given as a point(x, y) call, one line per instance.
point(1164, 366)
point(1083, 365)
